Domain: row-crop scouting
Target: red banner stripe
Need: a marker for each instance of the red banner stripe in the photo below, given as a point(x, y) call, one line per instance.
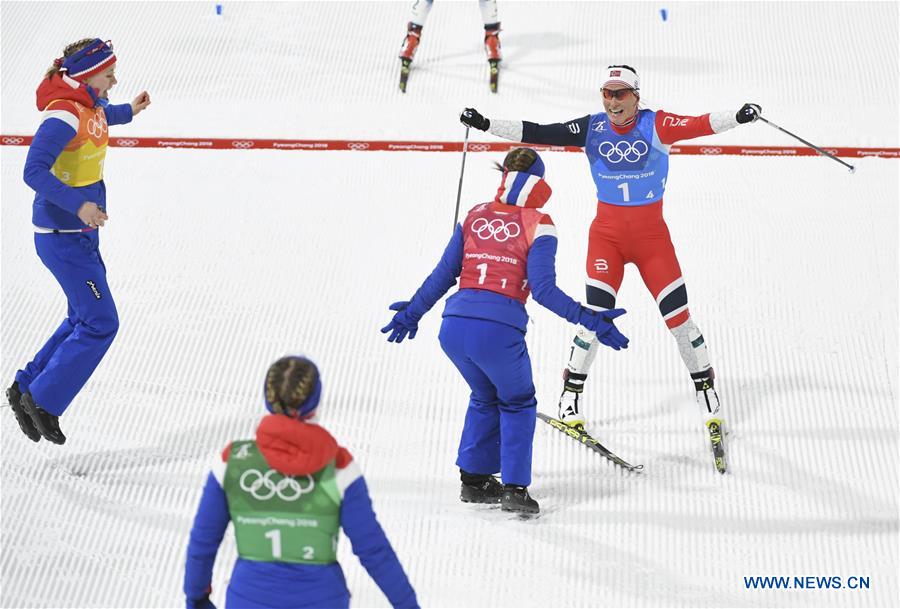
point(414, 146)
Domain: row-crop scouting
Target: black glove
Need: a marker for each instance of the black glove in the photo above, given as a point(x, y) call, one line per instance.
point(748, 113)
point(472, 118)
point(200, 603)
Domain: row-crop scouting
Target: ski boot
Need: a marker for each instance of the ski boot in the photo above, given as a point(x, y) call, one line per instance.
point(704, 385)
point(411, 42)
point(14, 397)
point(716, 429)
point(47, 424)
point(569, 412)
point(516, 499)
point(408, 51)
point(479, 488)
point(492, 50)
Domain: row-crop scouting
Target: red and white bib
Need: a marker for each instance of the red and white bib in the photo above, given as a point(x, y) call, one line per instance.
point(496, 240)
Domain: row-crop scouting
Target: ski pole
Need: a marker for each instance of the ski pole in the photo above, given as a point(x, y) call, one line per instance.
point(461, 172)
point(813, 146)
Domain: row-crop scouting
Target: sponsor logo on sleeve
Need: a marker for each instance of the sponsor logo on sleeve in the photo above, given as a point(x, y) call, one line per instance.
point(674, 121)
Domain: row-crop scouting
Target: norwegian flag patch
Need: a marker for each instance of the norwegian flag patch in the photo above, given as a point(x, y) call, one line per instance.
point(615, 72)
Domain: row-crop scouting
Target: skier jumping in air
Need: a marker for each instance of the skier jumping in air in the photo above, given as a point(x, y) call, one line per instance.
point(288, 493)
point(65, 168)
point(502, 251)
point(628, 153)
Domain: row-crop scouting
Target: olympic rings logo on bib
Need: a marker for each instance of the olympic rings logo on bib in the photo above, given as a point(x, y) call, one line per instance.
point(627, 151)
point(96, 126)
point(497, 229)
point(262, 487)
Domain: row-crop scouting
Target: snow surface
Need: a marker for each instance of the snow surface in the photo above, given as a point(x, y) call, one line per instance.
point(222, 261)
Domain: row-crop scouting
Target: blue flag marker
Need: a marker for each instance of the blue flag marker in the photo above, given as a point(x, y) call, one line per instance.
point(664, 14)
point(219, 9)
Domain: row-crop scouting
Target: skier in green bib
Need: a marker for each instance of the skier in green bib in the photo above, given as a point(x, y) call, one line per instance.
point(288, 494)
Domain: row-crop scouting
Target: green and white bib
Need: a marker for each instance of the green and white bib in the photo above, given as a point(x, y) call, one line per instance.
point(279, 518)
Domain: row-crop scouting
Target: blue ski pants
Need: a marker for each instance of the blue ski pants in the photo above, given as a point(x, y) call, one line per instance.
point(68, 358)
point(276, 600)
point(499, 427)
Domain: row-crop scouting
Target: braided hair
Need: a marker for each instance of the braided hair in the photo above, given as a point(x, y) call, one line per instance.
point(68, 52)
point(289, 383)
point(517, 159)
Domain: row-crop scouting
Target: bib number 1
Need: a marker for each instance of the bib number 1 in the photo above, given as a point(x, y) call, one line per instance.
point(483, 269)
point(274, 536)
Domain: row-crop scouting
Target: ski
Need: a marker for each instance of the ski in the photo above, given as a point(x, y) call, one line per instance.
point(718, 445)
point(588, 440)
point(495, 73)
point(404, 73)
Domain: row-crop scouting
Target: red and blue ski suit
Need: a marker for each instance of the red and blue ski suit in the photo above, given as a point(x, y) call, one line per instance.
point(503, 251)
point(629, 166)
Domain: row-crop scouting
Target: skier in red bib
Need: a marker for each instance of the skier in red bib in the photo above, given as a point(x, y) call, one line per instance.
point(503, 251)
point(628, 152)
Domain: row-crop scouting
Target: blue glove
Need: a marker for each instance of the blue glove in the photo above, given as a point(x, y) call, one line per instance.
point(200, 603)
point(403, 323)
point(601, 324)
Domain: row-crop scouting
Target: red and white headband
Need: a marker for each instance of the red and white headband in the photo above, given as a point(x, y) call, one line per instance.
point(621, 76)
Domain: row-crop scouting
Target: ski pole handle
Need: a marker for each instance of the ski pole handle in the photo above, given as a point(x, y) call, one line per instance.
point(461, 172)
point(813, 146)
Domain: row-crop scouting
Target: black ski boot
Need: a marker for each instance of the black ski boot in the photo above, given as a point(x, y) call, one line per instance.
point(516, 499)
point(479, 488)
point(47, 424)
point(704, 385)
point(14, 396)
